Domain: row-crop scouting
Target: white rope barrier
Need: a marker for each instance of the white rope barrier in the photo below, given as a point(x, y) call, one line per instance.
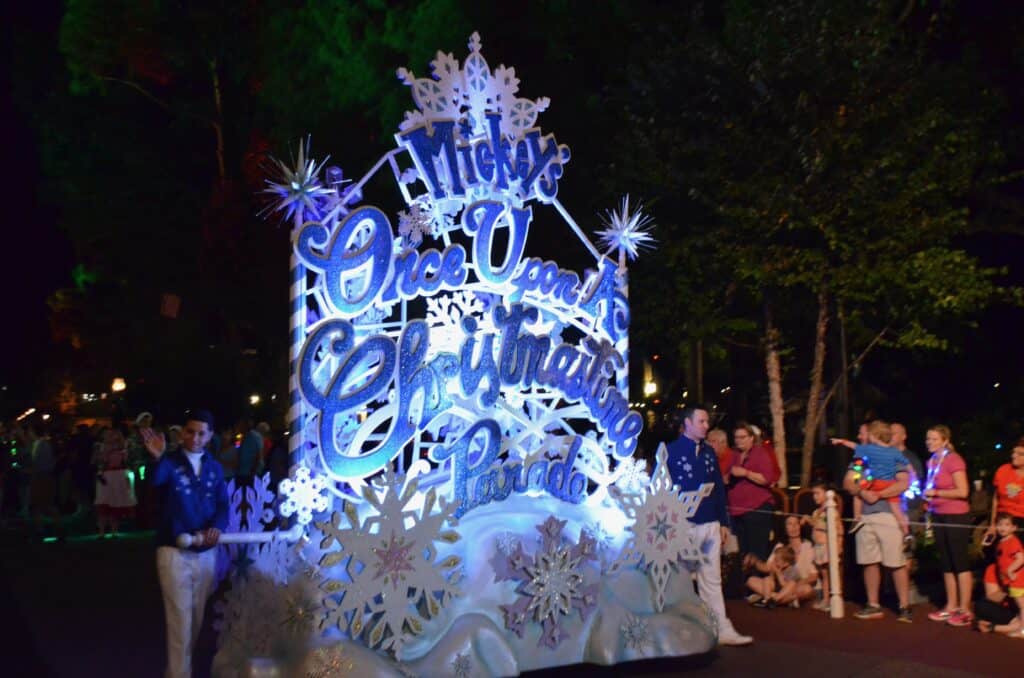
point(832, 522)
point(854, 520)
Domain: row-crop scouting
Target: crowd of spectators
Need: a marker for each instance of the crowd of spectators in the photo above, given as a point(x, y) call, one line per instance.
point(57, 480)
point(897, 503)
point(51, 479)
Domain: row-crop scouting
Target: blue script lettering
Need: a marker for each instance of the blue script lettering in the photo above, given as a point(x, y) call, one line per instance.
point(344, 258)
point(348, 389)
point(476, 482)
point(534, 161)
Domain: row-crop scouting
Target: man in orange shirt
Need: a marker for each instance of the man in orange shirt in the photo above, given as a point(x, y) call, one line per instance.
point(719, 441)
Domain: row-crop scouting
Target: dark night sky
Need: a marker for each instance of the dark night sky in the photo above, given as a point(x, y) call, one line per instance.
point(38, 258)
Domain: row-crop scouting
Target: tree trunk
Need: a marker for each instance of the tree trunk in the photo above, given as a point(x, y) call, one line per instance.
point(815, 406)
point(218, 125)
point(775, 403)
point(844, 386)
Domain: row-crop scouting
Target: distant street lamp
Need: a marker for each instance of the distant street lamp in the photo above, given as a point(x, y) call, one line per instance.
point(254, 399)
point(117, 385)
point(650, 388)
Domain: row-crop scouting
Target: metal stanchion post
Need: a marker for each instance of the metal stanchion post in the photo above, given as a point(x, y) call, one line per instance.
point(836, 608)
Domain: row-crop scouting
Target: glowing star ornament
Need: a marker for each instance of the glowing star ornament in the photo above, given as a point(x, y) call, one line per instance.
point(660, 538)
point(551, 583)
point(627, 232)
point(303, 495)
point(297, 190)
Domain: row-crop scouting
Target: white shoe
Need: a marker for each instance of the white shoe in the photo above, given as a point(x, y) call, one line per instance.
point(734, 638)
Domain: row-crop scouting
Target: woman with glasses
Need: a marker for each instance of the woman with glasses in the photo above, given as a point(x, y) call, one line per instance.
point(750, 499)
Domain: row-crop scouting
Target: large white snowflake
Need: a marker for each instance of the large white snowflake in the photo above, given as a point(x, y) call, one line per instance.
point(468, 92)
point(660, 537)
point(259, 617)
point(303, 495)
point(552, 583)
point(384, 580)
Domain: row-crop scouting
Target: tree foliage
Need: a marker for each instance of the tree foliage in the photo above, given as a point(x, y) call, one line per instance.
point(825, 155)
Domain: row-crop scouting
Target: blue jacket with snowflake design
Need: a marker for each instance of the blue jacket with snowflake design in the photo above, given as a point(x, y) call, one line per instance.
point(189, 503)
point(690, 469)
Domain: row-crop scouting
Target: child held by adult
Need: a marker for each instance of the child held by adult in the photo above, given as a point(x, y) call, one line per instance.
point(876, 434)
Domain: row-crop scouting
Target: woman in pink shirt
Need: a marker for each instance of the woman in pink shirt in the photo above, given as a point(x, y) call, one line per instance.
point(946, 492)
point(750, 499)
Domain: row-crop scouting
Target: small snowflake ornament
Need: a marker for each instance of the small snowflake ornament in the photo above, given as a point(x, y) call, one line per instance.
point(631, 475)
point(462, 666)
point(415, 224)
point(303, 495)
point(507, 542)
point(634, 632)
point(328, 662)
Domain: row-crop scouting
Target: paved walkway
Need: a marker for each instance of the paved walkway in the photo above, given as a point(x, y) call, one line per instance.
point(90, 607)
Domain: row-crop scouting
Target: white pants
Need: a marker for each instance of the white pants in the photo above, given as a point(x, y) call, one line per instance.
point(709, 576)
point(186, 580)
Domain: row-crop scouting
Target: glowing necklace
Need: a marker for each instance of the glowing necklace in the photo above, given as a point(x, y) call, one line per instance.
point(933, 470)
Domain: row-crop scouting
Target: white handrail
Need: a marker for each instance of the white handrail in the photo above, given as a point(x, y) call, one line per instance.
point(293, 534)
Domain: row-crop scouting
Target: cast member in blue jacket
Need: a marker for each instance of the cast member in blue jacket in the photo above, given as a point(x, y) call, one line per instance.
point(194, 501)
point(691, 463)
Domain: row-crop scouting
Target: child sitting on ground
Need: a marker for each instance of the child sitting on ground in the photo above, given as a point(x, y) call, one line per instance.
point(1010, 562)
point(782, 575)
point(819, 536)
point(790, 571)
point(877, 434)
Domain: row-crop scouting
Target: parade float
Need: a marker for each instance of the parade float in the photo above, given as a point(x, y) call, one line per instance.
point(464, 500)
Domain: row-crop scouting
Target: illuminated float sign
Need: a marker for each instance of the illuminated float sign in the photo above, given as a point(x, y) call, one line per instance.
point(438, 372)
point(513, 381)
